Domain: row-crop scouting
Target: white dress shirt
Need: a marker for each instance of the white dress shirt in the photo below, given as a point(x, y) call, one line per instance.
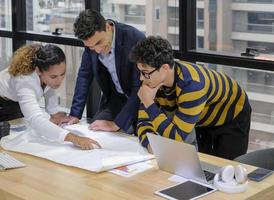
point(109, 62)
point(27, 91)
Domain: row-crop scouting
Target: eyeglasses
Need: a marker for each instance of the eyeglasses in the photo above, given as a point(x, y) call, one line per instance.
point(148, 74)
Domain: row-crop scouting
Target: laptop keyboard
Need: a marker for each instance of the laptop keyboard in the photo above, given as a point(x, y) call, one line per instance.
point(209, 175)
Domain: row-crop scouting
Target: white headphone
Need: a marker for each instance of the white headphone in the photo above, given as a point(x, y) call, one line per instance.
point(225, 181)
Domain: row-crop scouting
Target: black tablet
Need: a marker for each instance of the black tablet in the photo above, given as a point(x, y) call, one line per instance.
point(186, 190)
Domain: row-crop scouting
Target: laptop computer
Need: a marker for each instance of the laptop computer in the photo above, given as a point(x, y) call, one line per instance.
point(181, 159)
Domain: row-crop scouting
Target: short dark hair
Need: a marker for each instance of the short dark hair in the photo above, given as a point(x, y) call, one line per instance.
point(153, 51)
point(48, 55)
point(87, 23)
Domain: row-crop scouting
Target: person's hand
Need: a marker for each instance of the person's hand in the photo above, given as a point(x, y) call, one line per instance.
point(84, 143)
point(103, 125)
point(147, 94)
point(69, 120)
point(58, 117)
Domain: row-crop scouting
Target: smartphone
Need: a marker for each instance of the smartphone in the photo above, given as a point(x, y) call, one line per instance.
point(259, 174)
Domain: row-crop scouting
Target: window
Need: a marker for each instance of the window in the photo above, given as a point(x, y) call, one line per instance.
point(157, 14)
point(253, 1)
point(5, 14)
point(228, 28)
point(200, 18)
point(259, 86)
point(200, 42)
point(73, 60)
point(5, 52)
point(173, 39)
point(231, 27)
point(256, 22)
point(173, 24)
point(146, 16)
point(47, 15)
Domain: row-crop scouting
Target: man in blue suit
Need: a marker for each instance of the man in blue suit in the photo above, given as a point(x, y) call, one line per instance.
point(107, 46)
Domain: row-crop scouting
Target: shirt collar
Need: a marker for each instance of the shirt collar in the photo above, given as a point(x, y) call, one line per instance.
point(113, 37)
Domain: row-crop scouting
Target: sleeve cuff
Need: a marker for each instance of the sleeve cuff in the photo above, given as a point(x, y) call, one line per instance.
point(62, 136)
point(52, 111)
point(74, 115)
point(145, 143)
point(118, 123)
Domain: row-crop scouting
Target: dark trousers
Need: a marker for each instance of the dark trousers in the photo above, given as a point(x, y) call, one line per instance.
point(9, 110)
point(109, 111)
point(227, 141)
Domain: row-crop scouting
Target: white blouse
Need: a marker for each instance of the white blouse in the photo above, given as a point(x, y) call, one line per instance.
point(27, 91)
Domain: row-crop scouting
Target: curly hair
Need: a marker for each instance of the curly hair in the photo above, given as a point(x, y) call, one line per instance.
point(22, 60)
point(153, 51)
point(87, 23)
point(28, 57)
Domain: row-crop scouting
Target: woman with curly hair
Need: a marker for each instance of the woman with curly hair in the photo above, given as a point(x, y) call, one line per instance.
point(36, 71)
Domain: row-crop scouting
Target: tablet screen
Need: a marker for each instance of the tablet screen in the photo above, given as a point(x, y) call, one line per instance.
point(186, 190)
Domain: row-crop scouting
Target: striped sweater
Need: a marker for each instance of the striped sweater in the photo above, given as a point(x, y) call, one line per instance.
point(200, 97)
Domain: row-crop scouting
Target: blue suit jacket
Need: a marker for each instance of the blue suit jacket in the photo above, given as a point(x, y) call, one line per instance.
point(126, 37)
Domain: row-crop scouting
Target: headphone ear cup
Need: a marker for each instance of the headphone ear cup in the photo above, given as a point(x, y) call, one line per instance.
point(240, 174)
point(227, 173)
point(229, 187)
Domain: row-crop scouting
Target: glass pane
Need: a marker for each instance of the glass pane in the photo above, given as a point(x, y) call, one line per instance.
point(232, 26)
point(5, 14)
point(259, 86)
point(5, 52)
point(73, 60)
point(151, 17)
point(46, 16)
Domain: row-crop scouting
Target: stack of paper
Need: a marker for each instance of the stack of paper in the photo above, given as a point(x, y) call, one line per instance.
point(118, 149)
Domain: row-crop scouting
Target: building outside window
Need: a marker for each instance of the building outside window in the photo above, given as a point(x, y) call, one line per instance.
point(5, 24)
point(150, 17)
point(47, 15)
point(5, 52)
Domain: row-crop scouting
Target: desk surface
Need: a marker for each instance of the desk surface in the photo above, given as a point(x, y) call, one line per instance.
point(43, 179)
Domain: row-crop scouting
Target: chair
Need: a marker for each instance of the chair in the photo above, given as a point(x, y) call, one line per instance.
point(261, 158)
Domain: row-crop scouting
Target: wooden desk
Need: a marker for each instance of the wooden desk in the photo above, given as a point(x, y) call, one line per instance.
point(43, 179)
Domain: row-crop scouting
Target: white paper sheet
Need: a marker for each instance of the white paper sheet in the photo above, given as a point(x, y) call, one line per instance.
point(118, 149)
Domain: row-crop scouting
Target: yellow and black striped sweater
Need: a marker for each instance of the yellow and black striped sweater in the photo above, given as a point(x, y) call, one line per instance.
point(199, 97)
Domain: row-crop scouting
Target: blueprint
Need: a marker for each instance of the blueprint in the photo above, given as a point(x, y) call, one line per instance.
point(118, 149)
